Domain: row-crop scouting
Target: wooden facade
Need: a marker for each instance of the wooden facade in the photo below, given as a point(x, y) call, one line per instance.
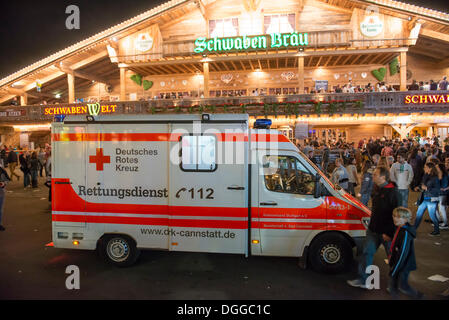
point(153, 55)
point(159, 46)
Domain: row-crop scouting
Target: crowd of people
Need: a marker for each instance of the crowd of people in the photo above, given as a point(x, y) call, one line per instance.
point(381, 86)
point(32, 164)
point(349, 87)
point(415, 164)
point(431, 85)
point(386, 172)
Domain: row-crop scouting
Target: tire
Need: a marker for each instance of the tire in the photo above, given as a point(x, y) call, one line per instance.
point(119, 250)
point(330, 253)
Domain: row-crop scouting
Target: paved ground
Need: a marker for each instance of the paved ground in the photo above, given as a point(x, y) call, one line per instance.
point(29, 270)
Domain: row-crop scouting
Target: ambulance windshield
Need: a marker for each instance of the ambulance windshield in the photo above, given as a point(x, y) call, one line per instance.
point(318, 170)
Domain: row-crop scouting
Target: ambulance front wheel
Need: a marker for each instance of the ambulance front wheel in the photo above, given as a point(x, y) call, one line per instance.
point(330, 253)
point(119, 250)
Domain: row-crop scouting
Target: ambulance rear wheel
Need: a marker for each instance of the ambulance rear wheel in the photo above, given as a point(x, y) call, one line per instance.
point(119, 250)
point(330, 253)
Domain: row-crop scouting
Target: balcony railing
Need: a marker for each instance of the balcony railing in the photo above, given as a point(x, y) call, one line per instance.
point(306, 104)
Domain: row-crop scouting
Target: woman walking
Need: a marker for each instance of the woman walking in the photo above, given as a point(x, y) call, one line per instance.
point(444, 183)
point(430, 187)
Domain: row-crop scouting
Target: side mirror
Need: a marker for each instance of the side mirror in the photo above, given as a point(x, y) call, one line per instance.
point(317, 193)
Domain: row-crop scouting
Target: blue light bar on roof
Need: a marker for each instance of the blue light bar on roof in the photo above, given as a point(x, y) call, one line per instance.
point(262, 124)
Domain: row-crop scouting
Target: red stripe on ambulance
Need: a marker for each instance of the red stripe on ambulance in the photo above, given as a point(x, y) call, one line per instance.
point(66, 199)
point(114, 137)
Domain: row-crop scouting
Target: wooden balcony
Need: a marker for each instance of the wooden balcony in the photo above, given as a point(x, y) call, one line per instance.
point(185, 48)
point(292, 105)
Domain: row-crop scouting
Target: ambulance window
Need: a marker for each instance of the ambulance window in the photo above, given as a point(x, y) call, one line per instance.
point(286, 174)
point(198, 153)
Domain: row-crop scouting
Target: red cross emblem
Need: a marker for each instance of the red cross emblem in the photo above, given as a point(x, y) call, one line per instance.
point(99, 159)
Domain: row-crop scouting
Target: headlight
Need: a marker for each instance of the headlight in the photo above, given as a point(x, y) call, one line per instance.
point(365, 222)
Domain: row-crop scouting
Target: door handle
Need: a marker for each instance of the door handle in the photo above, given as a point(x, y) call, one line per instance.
point(271, 203)
point(236, 188)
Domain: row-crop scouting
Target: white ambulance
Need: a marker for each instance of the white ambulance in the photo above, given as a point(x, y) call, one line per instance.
point(200, 183)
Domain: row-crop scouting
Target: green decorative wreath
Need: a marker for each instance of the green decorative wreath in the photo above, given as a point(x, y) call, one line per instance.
point(137, 78)
point(394, 66)
point(379, 74)
point(147, 84)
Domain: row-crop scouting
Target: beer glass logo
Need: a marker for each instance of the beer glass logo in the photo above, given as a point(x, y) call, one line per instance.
point(94, 109)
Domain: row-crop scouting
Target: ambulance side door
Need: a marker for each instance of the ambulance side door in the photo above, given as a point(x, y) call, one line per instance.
point(136, 179)
point(288, 210)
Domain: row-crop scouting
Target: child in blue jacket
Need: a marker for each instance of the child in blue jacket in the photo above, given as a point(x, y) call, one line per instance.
point(401, 258)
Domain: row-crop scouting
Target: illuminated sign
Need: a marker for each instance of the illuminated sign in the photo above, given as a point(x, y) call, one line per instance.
point(93, 109)
point(277, 40)
point(426, 99)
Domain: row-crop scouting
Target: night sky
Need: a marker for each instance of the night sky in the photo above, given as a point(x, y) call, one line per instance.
point(31, 30)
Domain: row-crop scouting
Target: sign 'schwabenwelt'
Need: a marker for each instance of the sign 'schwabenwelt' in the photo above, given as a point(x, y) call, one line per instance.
point(277, 40)
point(92, 109)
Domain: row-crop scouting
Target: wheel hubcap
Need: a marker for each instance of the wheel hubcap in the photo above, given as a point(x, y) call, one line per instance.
point(118, 250)
point(331, 254)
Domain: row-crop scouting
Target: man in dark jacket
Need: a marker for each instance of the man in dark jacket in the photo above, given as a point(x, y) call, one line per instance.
point(381, 227)
point(433, 85)
point(25, 163)
point(414, 86)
